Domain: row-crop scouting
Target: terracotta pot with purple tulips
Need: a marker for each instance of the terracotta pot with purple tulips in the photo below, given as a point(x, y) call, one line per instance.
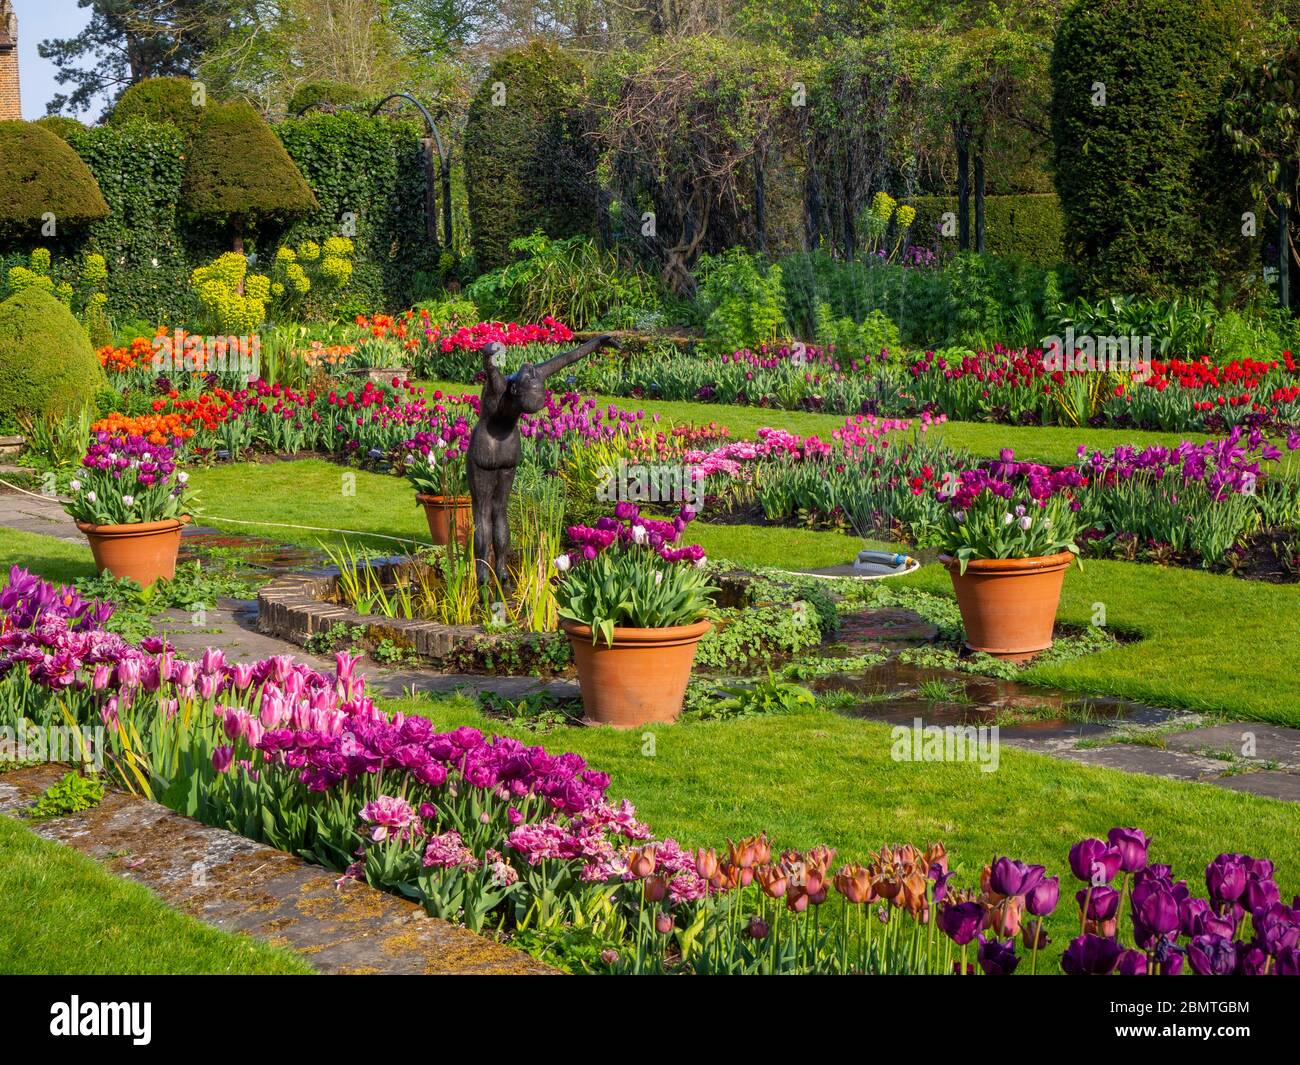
point(435, 466)
point(130, 500)
point(1007, 537)
point(634, 608)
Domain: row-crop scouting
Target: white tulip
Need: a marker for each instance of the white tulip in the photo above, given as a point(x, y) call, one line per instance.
point(562, 563)
point(75, 485)
point(128, 501)
point(90, 497)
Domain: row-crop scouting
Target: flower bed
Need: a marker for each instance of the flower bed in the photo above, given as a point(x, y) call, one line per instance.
point(488, 829)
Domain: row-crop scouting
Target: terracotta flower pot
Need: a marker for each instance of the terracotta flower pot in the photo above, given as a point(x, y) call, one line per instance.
point(641, 678)
point(144, 551)
point(445, 513)
point(1008, 605)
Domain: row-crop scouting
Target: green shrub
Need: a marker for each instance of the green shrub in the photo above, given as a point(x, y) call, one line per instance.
point(166, 101)
point(1151, 197)
point(1026, 226)
point(527, 167)
point(572, 280)
point(238, 172)
point(139, 166)
point(78, 284)
point(61, 125)
point(41, 176)
point(742, 300)
point(324, 93)
point(228, 311)
point(47, 366)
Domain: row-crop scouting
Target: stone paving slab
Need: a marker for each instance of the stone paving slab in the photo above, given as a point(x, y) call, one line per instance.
point(1269, 783)
point(1154, 761)
point(240, 886)
point(1272, 743)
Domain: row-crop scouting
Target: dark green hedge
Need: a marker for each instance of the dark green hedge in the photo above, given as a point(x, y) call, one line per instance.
point(169, 101)
point(1026, 227)
point(527, 164)
point(373, 169)
point(47, 366)
point(139, 168)
point(1151, 200)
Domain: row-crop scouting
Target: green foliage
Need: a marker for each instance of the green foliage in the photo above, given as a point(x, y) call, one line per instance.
point(572, 280)
point(40, 175)
point(325, 93)
point(165, 101)
point(1027, 226)
point(238, 171)
point(70, 795)
point(307, 280)
point(853, 340)
point(47, 366)
point(228, 311)
point(742, 300)
point(78, 284)
point(140, 165)
point(61, 125)
point(527, 166)
point(368, 176)
point(771, 695)
point(1151, 197)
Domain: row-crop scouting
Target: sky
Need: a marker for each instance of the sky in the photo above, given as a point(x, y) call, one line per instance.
point(37, 21)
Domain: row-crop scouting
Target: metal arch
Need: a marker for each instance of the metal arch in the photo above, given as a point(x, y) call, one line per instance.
point(444, 157)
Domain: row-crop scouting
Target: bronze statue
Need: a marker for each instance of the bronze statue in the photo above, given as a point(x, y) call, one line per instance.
point(495, 449)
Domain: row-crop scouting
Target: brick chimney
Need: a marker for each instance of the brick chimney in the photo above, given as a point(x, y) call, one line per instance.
point(10, 107)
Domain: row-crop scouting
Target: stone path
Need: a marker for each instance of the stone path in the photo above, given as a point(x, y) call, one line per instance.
point(240, 886)
point(1241, 756)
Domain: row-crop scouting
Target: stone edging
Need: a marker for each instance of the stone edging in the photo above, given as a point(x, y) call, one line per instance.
point(241, 886)
point(296, 606)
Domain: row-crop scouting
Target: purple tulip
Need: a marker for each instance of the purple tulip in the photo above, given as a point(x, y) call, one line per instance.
point(1093, 862)
point(1041, 901)
point(1212, 956)
point(1132, 963)
point(1008, 877)
point(1155, 912)
point(1102, 902)
point(1090, 955)
point(961, 921)
point(1132, 845)
point(1225, 878)
point(997, 959)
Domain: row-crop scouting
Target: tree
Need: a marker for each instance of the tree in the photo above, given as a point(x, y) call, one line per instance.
point(127, 41)
point(239, 174)
point(167, 101)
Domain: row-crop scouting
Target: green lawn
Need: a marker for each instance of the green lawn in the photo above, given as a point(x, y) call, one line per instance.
point(1050, 444)
point(816, 776)
point(61, 912)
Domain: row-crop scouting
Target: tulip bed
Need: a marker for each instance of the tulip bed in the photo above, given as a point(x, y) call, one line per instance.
point(506, 836)
point(1006, 385)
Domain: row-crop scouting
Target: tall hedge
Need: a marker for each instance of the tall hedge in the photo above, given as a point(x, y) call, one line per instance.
point(140, 166)
point(369, 172)
point(1150, 199)
point(527, 165)
point(1027, 227)
point(40, 175)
